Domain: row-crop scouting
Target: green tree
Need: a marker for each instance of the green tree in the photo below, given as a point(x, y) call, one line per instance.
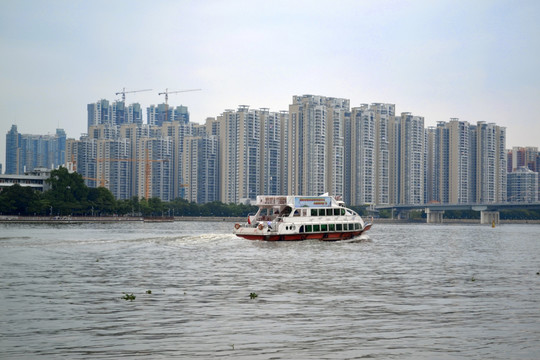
point(68, 193)
point(20, 200)
point(156, 206)
point(102, 199)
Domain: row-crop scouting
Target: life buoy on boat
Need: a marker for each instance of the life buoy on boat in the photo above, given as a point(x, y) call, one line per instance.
point(260, 227)
point(237, 226)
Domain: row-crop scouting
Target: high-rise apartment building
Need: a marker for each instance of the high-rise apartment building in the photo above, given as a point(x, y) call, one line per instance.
point(81, 157)
point(371, 129)
point(103, 112)
point(469, 163)
point(489, 163)
point(131, 158)
point(363, 156)
point(99, 113)
point(25, 152)
point(316, 145)
point(523, 185)
point(284, 150)
point(411, 157)
point(452, 182)
point(366, 154)
point(271, 152)
point(161, 113)
point(200, 168)
point(154, 164)
point(13, 164)
point(429, 180)
point(177, 131)
point(523, 156)
point(134, 114)
point(240, 154)
point(251, 145)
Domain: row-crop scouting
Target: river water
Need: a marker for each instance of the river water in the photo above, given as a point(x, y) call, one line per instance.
point(409, 291)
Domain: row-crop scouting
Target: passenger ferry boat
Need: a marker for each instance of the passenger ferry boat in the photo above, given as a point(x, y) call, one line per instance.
point(300, 218)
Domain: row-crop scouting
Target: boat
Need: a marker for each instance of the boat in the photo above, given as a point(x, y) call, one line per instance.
point(281, 218)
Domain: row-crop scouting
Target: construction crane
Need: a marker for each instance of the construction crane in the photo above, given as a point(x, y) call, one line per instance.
point(124, 92)
point(167, 92)
point(101, 181)
point(72, 166)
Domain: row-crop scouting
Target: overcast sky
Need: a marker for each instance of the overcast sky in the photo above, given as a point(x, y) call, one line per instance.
point(474, 60)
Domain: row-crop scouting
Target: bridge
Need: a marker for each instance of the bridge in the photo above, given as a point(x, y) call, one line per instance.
point(489, 213)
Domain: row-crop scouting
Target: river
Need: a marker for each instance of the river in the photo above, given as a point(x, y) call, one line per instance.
point(410, 291)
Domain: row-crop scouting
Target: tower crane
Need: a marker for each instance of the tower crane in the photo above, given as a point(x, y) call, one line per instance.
point(124, 92)
point(167, 92)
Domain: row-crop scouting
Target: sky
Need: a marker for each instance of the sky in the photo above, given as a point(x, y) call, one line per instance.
point(473, 60)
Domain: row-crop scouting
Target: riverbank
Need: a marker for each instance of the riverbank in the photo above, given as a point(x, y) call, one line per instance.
point(12, 219)
point(450, 221)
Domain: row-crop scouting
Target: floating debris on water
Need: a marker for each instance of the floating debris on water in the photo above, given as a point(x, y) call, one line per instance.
point(129, 297)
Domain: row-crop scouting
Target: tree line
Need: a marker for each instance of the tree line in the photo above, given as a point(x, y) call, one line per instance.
point(69, 195)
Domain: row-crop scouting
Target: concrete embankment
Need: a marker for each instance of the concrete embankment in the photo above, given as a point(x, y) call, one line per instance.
point(12, 219)
point(66, 219)
point(111, 219)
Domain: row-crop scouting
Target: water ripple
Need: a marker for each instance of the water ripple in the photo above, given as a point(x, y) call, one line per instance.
point(413, 291)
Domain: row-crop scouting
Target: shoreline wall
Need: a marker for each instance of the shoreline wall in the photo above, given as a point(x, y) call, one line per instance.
point(111, 219)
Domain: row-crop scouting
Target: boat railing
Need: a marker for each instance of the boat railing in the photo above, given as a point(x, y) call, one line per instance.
point(271, 200)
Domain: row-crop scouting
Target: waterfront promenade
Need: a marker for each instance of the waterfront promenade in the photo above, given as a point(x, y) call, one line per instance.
point(111, 219)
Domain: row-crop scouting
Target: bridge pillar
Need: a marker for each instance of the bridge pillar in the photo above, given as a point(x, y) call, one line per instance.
point(403, 215)
point(489, 217)
point(434, 216)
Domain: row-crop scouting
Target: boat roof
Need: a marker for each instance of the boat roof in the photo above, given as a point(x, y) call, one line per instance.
point(295, 201)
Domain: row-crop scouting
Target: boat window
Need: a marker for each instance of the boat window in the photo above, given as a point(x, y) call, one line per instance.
point(301, 229)
point(342, 211)
point(324, 227)
point(351, 226)
point(322, 212)
point(336, 212)
point(286, 211)
point(339, 227)
point(313, 212)
point(316, 228)
point(357, 226)
point(308, 228)
point(329, 212)
point(304, 212)
point(332, 227)
point(296, 213)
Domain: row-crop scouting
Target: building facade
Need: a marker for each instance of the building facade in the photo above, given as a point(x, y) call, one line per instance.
point(411, 157)
point(523, 185)
point(200, 168)
point(128, 157)
point(366, 154)
point(371, 154)
point(316, 138)
point(489, 167)
point(25, 152)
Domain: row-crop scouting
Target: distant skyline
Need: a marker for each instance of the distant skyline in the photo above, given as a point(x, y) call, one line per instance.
point(476, 61)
